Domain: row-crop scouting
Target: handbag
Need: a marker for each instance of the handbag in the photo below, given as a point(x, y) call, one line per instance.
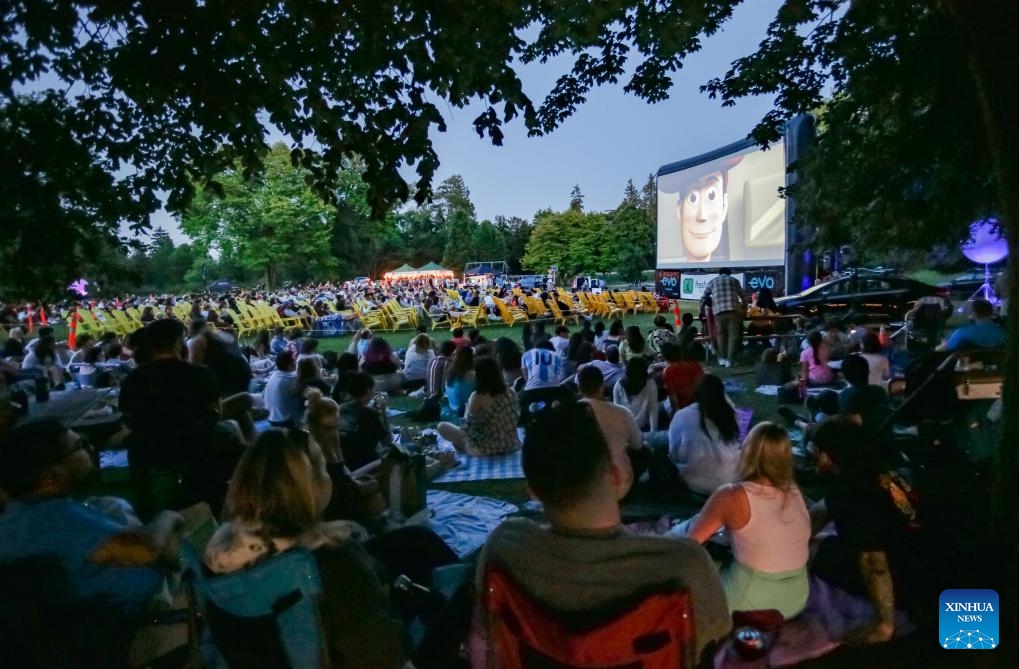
point(431, 410)
point(403, 480)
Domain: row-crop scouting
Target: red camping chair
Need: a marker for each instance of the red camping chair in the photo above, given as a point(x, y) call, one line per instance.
point(656, 632)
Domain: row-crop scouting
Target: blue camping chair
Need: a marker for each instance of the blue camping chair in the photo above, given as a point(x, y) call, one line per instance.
point(265, 616)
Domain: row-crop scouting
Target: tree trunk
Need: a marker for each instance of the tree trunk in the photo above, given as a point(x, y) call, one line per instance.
point(271, 272)
point(989, 30)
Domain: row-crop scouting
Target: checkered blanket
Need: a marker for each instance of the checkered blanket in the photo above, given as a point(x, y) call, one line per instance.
point(483, 468)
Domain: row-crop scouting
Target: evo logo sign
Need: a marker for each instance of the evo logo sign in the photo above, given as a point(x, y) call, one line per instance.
point(968, 620)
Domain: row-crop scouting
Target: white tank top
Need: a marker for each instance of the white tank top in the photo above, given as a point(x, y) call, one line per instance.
point(777, 536)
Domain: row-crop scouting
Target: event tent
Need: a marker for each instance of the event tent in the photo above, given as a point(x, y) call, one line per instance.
point(431, 270)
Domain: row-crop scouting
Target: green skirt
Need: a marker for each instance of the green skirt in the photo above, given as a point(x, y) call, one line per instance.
point(750, 590)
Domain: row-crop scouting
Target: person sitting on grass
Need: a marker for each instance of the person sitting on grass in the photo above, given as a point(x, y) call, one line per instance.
point(682, 373)
point(814, 361)
point(618, 425)
point(583, 561)
point(638, 393)
point(364, 428)
point(460, 382)
point(863, 402)
point(768, 525)
point(704, 438)
point(490, 420)
point(882, 550)
point(384, 366)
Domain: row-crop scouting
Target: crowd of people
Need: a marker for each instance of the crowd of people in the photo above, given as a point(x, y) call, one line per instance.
point(606, 409)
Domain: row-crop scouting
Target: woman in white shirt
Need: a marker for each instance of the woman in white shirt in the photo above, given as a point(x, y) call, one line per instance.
point(704, 438)
point(639, 394)
point(768, 525)
point(880, 370)
point(415, 364)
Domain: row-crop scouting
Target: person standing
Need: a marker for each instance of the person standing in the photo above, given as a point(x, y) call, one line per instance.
point(728, 306)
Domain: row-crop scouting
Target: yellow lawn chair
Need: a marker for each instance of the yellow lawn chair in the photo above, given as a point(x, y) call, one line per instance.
point(558, 316)
point(474, 317)
point(535, 308)
point(651, 305)
point(510, 315)
point(373, 320)
point(609, 309)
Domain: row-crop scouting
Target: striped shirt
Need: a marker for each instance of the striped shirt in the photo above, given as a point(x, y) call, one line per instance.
point(436, 378)
point(543, 368)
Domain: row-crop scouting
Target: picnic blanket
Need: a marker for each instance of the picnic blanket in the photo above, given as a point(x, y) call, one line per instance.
point(483, 468)
point(818, 630)
point(743, 418)
point(465, 521)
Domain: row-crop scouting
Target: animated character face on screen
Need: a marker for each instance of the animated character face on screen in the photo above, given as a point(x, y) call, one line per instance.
point(702, 208)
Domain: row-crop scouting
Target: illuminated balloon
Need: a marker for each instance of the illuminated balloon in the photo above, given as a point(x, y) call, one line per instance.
point(986, 246)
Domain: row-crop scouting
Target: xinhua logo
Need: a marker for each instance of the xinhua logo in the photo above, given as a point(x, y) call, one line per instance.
point(968, 620)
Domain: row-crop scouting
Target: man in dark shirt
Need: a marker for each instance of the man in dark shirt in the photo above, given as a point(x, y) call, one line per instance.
point(862, 402)
point(880, 549)
point(172, 408)
point(583, 561)
point(363, 429)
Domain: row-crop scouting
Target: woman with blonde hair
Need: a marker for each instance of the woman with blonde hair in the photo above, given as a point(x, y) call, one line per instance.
point(353, 499)
point(768, 525)
point(273, 505)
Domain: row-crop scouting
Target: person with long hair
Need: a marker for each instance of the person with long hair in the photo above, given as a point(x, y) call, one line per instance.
point(509, 356)
point(704, 438)
point(419, 357)
point(877, 363)
point(634, 346)
point(273, 506)
point(768, 525)
point(460, 382)
point(382, 363)
point(490, 420)
point(814, 361)
point(572, 357)
point(638, 393)
point(615, 336)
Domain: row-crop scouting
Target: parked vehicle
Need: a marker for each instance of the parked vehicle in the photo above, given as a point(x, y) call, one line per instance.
point(968, 283)
point(222, 286)
point(861, 296)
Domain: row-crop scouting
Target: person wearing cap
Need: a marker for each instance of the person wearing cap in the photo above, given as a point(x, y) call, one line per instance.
point(701, 208)
point(71, 562)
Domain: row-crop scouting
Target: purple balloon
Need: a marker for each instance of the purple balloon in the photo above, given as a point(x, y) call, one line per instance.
point(985, 246)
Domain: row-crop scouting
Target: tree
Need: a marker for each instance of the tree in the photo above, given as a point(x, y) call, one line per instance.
point(634, 237)
point(631, 196)
point(271, 222)
point(572, 240)
point(517, 232)
point(576, 199)
point(457, 219)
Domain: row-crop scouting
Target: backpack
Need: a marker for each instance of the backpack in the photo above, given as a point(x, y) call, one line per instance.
point(898, 484)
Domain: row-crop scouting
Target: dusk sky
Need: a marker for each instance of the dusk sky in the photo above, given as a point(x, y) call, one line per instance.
point(612, 138)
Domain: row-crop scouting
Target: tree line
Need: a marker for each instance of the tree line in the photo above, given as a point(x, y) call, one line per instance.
point(270, 228)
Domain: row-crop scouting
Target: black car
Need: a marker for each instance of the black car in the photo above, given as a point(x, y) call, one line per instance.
point(861, 297)
point(967, 283)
